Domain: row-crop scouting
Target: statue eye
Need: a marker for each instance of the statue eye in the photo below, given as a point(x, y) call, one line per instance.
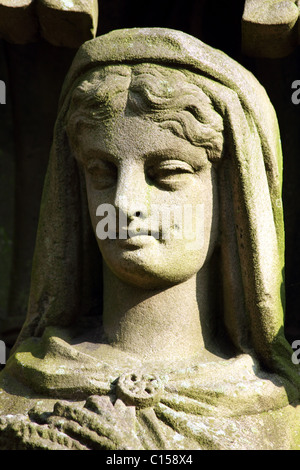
point(170, 173)
point(103, 174)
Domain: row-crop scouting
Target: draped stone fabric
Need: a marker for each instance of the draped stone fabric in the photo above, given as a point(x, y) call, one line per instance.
point(193, 405)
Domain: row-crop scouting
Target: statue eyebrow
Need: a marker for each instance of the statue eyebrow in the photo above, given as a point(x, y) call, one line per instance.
point(194, 158)
point(197, 157)
point(96, 154)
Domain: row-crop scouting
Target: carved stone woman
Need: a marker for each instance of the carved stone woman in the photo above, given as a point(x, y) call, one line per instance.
point(169, 338)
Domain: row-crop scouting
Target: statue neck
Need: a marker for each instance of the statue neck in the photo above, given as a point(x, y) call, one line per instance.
point(157, 324)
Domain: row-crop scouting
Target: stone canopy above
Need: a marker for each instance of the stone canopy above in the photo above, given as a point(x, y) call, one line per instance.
point(66, 23)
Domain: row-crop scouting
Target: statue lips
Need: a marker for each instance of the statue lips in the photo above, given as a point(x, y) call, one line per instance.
point(137, 237)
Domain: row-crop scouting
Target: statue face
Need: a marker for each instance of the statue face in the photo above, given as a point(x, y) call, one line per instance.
point(161, 187)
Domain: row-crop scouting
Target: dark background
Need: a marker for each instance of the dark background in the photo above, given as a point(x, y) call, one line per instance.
point(34, 73)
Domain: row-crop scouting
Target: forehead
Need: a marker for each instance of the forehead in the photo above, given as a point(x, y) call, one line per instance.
point(134, 137)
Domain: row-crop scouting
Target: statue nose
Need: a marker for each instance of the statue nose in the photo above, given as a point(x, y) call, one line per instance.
point(131, 208)
point(131, 195)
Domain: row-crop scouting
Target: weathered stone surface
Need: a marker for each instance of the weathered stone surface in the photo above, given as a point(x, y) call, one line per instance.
point(269, 28)
point(66, 23)
point(146, 341)
point(229, 404)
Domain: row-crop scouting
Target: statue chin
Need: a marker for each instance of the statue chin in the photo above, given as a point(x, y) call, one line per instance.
point(138, 269)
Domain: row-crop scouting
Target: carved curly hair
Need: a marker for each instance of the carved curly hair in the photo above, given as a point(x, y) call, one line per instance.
point(171, 96)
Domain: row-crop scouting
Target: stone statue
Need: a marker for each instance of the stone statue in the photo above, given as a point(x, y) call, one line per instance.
point(161, 338)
